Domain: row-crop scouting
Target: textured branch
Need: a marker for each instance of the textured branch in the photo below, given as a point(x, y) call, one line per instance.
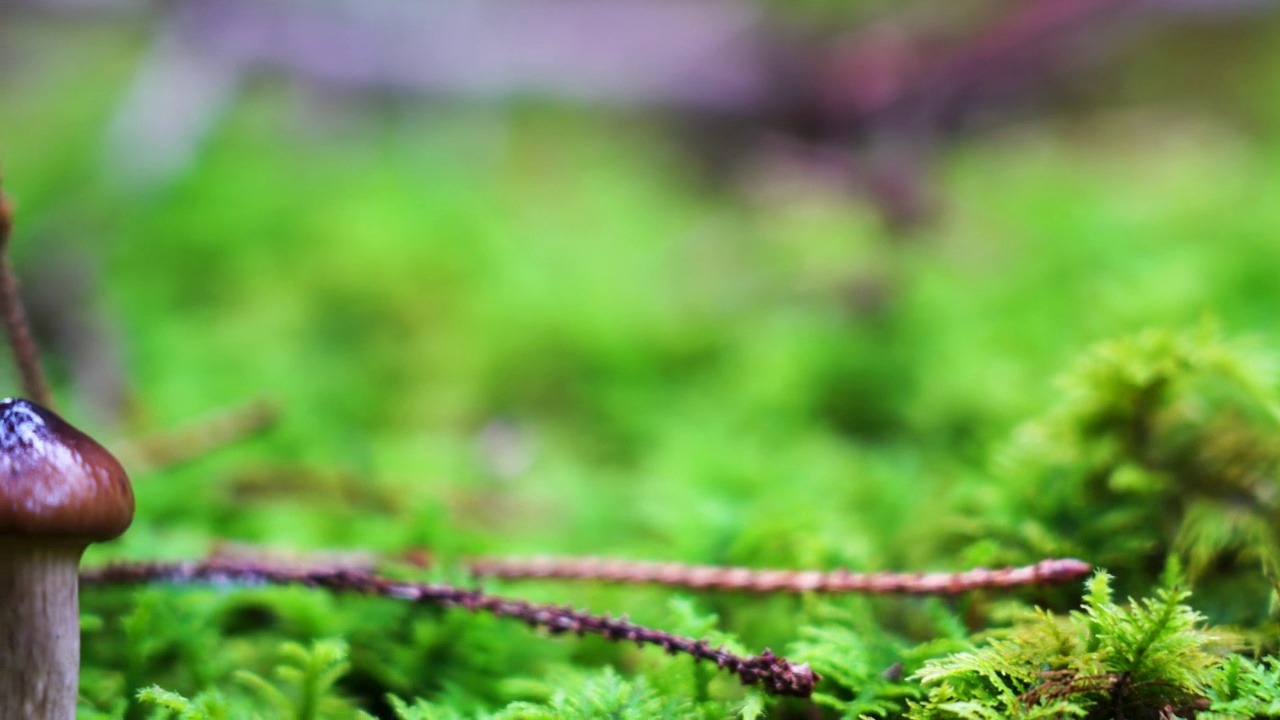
point(14, 316)
point(775, 674)
point(1045, 572)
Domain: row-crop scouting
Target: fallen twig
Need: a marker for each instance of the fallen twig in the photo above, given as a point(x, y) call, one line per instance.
point(776, 675)
point(1045, 572)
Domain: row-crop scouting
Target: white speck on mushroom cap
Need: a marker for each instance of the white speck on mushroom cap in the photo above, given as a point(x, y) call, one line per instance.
point(25, 433)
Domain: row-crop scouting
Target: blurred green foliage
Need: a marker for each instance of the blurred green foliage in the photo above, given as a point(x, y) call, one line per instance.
point(759, 378)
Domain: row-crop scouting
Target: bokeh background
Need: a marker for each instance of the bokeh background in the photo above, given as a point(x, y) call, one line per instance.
point(710, 281)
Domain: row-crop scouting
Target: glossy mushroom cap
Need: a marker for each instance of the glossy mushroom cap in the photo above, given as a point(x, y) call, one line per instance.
point(56, 481)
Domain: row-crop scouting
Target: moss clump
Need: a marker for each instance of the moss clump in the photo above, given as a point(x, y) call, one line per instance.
point(1163, 443)
point(1145, 659)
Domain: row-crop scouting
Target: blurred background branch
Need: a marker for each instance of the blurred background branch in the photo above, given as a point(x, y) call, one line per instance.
point(879, 96)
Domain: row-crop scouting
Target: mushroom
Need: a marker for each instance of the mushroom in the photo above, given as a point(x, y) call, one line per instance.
point(59, 492)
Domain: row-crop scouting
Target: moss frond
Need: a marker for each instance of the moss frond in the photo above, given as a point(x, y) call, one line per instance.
point(1163, 443)
point(1130, 660)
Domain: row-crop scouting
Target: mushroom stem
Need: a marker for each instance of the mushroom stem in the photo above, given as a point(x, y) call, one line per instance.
point(59, 491)
point(39, 630)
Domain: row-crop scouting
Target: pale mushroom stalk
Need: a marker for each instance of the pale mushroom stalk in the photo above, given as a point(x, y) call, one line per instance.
point(40, 615)
point(59, 492)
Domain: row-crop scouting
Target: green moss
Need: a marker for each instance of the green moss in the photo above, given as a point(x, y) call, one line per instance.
point(687, 373)
point(1162, 443)
point(1106, 660)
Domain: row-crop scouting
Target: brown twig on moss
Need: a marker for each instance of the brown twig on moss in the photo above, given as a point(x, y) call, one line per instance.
point(775, 674)
point(1060, 684)
point(170, 448)
point(700, 577)
point(1065, 683)
point(25, 353)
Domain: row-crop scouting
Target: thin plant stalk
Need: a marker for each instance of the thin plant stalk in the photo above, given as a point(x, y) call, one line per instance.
point(14, 316)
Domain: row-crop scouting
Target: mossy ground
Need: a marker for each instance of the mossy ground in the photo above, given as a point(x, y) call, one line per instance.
point(684, 372)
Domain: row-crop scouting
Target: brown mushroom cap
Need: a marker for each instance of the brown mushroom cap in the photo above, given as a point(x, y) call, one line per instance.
point(56, 481)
